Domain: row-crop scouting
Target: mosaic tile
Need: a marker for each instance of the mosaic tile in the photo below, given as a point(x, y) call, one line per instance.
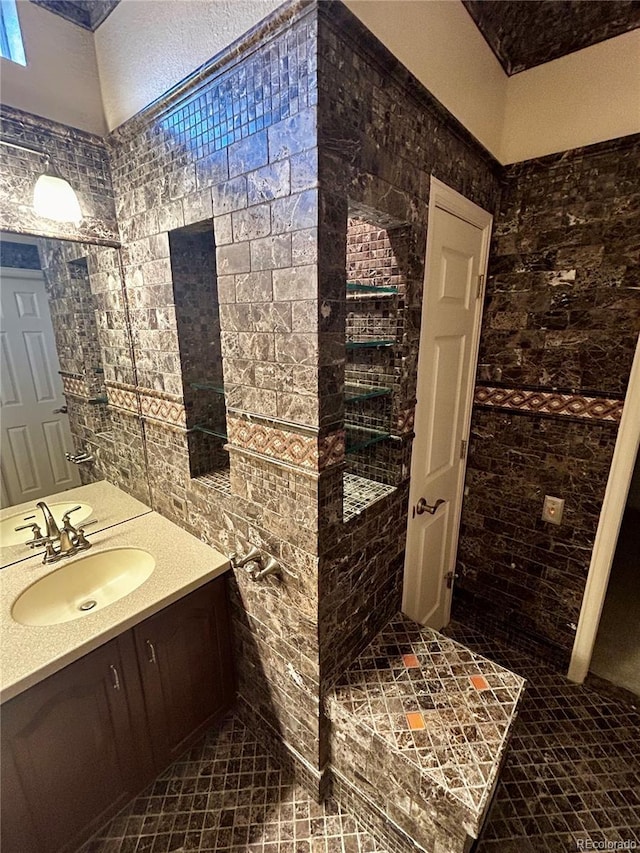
point(228, 794)
point(360, 493)
point(432, 721)
point(572, 772)
point(309, 451)
point(549, 403)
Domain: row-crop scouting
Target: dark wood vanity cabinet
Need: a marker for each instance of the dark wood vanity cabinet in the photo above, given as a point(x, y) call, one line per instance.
point(79, 745)
point(184, 655)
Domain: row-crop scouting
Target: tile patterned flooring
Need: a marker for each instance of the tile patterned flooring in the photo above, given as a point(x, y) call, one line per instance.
point(225, 795)
point(434, 707)
point(572, 774)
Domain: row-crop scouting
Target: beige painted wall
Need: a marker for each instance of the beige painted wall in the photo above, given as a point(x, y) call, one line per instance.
point(60, 80)
point(579, 99)
point(441, 46)
point(147, 46)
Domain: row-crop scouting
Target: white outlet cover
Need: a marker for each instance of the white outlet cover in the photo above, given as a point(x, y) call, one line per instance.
point(552, 509)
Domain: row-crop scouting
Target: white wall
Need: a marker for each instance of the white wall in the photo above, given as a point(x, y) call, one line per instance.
point(147, 46)
point(579, 99)
point(441, 46)
point(60, 80)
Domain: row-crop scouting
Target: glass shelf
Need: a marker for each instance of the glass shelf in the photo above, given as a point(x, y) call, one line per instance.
point(357, 438)
point(218, 432)
point(218, 387)
point(379, 344)
point(355, 393)
point(358, 287)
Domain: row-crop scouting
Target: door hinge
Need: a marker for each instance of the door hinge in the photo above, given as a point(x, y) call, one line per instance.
point(480, 286)
point(463, 448)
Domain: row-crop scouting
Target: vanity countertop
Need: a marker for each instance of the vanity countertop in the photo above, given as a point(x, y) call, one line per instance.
point(30, 654)
point(110, 506)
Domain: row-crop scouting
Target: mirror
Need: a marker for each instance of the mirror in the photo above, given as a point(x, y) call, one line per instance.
point(68, 372)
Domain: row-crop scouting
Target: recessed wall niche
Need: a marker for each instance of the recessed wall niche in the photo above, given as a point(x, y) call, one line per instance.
point(193, 266)
point(376, 291)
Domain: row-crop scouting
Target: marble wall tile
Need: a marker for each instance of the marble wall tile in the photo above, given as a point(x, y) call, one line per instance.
point(81, 158)
point(520, 576)
point(380, 136)
point(170, 172)
point(561, 321)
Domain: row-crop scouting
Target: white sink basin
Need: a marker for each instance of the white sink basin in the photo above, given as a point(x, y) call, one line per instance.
point(83, 586)
point(8, 535)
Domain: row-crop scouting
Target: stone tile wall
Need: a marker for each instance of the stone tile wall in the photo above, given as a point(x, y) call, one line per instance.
point(81, 158)
point(305, 122)
point(91, 328)
point(381, 136)
point(237, 147)
point(560, 328)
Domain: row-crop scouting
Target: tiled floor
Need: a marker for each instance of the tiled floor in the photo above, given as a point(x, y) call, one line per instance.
point(228, 795)
point(573, 767)
point(434, 707)
point(572, 773)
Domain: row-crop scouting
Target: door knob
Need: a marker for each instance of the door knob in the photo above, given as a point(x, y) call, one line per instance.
point(63, 410)
point(423, 506)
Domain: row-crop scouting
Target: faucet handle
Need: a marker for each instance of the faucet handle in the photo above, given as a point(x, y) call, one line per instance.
point(35, 530)
point(81, 540)
point(73, 509)
point(25, 526)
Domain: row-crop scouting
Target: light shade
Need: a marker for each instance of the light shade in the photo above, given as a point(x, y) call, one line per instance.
point(54, 198)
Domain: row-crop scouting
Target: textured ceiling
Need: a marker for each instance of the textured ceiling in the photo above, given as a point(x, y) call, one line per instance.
point(86, 13)
point(524, 33)
point(521, 33)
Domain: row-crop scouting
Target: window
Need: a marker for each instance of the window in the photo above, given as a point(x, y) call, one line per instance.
point(11, 46)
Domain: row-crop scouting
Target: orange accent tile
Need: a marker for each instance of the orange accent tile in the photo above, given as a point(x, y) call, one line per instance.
point(410, 661)
point(479, 682)
point(416, 721)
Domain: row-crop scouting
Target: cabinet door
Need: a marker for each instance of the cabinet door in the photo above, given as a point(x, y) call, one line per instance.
point(67, 755)
point(184, 654)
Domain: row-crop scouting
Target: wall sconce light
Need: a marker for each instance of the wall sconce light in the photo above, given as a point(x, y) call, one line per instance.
point(53, 196)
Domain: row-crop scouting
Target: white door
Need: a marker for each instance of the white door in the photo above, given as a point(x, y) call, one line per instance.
point(34, 437)
point(457, 249)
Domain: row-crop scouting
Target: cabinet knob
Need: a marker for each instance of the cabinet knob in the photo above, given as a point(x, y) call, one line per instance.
point(115, 678)
point(151, 651)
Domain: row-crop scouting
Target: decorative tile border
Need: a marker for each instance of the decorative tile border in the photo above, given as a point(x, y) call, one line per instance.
point(122, 396)
point(549, 403)
point(405, 421)
point(153, 405)
point(160, 406)
point(308, 451)
point(75, 386)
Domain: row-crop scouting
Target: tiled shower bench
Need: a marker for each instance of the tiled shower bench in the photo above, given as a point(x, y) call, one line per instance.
point(419, 731)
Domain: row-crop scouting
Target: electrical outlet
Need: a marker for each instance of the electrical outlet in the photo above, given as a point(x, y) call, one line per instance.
point(552, 509)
